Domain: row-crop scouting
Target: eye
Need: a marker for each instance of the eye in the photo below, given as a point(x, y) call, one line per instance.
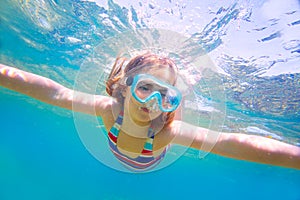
point(144, 88)
point(163, 93)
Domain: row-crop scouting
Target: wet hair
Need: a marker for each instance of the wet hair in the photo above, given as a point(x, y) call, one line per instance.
point(140, 63)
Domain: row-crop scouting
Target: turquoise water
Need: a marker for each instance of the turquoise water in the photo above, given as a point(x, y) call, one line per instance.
point(41, 154)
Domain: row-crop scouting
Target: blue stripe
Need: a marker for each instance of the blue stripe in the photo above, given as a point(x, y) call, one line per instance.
point(114, 131)
point(148, 146)
point(119, 120)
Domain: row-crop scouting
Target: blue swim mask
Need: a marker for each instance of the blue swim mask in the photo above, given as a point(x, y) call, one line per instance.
point(146, 88)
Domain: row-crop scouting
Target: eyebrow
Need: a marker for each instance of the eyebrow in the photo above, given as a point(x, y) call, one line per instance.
point(160, 88)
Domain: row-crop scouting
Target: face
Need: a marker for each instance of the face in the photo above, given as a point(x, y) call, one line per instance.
point(141, 113)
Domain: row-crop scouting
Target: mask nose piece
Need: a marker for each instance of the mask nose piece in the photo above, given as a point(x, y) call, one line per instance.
point(152, 105)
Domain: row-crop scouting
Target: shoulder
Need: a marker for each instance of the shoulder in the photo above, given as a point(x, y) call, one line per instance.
point(180, 128)
point(186, 134)
point(104, 104)
point(105, 107)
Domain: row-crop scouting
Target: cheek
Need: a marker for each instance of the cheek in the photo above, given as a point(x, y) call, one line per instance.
point(141, 94)
point(127, 96)
point(133, 105)
point(133, 101)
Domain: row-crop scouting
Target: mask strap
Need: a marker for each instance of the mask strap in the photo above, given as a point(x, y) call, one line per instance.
point(129, 81)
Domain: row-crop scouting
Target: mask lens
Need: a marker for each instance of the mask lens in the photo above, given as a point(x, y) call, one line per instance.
point(146, 88)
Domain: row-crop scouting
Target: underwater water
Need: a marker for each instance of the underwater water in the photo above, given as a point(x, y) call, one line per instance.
point(254, 44)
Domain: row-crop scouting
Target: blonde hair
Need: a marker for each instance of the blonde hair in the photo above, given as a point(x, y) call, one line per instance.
point(135, 65)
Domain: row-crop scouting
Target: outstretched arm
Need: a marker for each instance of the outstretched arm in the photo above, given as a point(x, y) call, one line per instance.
point(51, 92)
point(258, 149)
point(243, 147)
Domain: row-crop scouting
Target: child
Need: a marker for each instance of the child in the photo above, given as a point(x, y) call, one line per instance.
point(139, 114)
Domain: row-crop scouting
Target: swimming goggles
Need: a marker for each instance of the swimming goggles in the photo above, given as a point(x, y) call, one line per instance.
point(146, 88)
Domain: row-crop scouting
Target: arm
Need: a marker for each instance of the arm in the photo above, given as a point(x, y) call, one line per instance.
point(243, 147)
point(49, 91)
point(258, 149)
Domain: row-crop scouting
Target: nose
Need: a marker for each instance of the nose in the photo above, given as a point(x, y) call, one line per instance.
point(152, 104)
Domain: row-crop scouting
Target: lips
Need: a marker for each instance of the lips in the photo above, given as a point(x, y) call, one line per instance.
point(145, 109)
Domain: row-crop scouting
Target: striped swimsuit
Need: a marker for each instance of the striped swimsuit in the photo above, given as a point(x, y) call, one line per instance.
point(143, 162)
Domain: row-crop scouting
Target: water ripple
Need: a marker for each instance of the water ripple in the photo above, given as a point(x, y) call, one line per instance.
point(56, 36)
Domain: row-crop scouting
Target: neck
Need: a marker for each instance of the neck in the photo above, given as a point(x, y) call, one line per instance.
point(133, 129)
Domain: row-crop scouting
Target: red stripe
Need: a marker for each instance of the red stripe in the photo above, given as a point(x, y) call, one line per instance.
point(147, 152)
point(112, 137)
point(123, 158)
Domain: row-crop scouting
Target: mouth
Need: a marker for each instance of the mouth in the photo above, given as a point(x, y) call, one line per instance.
point(144, 109)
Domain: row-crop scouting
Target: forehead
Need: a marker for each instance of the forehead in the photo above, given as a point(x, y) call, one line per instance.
point(165, 74)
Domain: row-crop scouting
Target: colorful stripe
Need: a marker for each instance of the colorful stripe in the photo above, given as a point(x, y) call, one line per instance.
point(136, 163)
point(143, 162)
